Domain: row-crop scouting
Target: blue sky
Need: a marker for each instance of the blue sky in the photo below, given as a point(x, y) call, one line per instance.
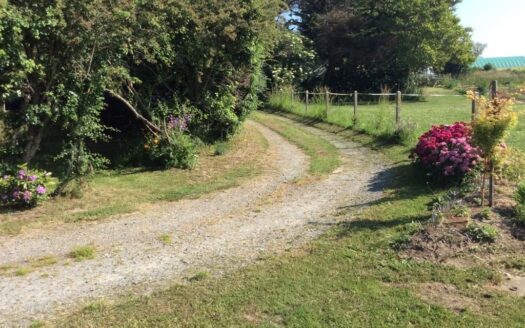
point(500, 24)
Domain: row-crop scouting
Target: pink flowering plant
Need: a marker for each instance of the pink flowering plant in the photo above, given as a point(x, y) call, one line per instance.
point(448, 151)
point(23, 188)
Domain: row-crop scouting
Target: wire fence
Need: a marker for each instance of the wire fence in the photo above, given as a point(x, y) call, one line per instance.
point(378, 113)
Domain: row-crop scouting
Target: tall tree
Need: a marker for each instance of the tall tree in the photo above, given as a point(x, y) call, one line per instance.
point(369, 43)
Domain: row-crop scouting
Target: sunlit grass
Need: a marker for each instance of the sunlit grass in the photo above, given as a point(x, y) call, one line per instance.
point(119, 192)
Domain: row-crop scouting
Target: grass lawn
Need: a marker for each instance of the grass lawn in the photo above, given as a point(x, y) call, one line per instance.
point(112, 193)
point(375, 118)
point(351, 277)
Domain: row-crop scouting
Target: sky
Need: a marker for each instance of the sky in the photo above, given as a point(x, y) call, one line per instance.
point(498, 23)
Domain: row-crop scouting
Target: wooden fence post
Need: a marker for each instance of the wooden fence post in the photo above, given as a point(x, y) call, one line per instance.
point(356, 94)
point(306, 102)
point(327, 102)
point(398, 108)
point(292, 99)
point(493, 95)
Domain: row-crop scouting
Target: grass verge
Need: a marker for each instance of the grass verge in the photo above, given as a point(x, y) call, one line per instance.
point(120, 192)
point(351, 277)
point(324, 157)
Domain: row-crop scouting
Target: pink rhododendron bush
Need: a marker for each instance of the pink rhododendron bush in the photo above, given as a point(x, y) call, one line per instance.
point(23, 188)
point(447, 151)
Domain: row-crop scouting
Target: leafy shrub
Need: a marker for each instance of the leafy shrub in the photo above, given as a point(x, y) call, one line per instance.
point(447, 151)
point(520, 214)
point(482, 233)
point(520, 194)
point(513, 167)
point(23, 188)
point(485, 214)
point(488, 67)
point(176, 148)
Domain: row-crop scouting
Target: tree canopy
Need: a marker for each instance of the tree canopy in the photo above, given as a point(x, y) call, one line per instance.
point(368, 43)
point(60, 60)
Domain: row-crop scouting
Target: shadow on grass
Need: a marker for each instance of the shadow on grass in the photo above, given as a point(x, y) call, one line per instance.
point(376, 142)
point(349, 227)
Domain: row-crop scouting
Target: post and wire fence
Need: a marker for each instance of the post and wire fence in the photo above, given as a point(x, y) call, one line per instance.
point(306, 97)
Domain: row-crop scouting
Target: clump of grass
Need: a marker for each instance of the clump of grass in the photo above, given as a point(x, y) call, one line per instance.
point(23, 271)
point(166, 239)
point(221, 148)
point(43, 261)
point(81, 253)
point(199, 276)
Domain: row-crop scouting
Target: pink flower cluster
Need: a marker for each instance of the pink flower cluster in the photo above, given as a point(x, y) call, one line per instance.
point(22, 188)
point(447, 150)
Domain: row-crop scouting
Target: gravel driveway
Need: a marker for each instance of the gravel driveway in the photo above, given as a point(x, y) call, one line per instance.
point(215, 233)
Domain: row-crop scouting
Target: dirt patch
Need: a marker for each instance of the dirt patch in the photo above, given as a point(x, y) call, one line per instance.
point(447, 296)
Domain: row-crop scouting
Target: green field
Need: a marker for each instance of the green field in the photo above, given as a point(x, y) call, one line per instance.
point(378, 117)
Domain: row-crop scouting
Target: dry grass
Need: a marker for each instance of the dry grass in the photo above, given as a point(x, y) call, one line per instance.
point(116, 193)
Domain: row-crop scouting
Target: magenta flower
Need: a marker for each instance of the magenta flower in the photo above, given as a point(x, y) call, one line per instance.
point(41, 190)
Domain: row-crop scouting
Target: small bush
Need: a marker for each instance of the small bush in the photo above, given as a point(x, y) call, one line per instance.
point(447, 151)
point(513, 168)
point(519, 196)
point(485, 214)
point(177, 151)
point(520, 214)
point(23, 188)
point(482, 233)
point(488, 67)
point(221, 148)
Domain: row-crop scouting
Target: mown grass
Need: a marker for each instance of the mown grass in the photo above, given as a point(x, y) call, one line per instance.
point(378, 118)
point(119, 192)
point(324, 157)
point(351, 277)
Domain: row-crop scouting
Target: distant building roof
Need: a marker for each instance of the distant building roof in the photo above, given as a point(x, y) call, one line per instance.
point(501, 62)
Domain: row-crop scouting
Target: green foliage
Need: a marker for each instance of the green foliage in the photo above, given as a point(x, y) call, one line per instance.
point(178, 150)
point(81, 253)
point(482, 233)
point(22, 188)
point(371, 43)
point(520, 214)
point(485, 214)
point(513, 168)
point(60, 62)
point(520, 194)
point(488, 67)
point(293, 60)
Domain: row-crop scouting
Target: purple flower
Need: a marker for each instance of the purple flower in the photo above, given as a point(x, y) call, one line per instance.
point(16, 195)
point(41, 190)
point(32, 178)
point(27, 196)
point(21, 174)
point(6, 177)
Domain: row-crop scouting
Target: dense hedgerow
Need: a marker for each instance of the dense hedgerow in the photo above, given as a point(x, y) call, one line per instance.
point(447, 151)
point(60, 62)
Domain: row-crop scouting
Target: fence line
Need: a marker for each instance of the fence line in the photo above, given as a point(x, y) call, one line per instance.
point(399, 96)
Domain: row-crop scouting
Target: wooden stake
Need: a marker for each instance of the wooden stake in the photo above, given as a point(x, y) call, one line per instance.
point(398, 108)
point(307, 99)
point(356, 94)
point(292, 98)
point(327, 102)
point(494, 94)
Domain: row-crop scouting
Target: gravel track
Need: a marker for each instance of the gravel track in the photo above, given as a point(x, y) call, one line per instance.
point(215, 233)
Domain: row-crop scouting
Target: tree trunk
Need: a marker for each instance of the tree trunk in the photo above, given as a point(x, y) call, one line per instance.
point(153, 128)
point(33, 144)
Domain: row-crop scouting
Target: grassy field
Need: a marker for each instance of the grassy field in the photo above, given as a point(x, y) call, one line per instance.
point(377, 118)
point(120, 192)
point(351, 277)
